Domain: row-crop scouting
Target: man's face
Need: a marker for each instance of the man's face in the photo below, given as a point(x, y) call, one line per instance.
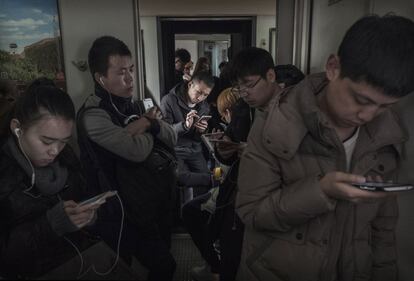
point(188, 67)
point(119, 79)
point(197, 91)
point(255, 90)
point(351, 104)
point(179, 64)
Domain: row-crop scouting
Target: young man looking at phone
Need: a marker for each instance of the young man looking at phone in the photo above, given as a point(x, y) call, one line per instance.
point(303, 217)
point(182, 107)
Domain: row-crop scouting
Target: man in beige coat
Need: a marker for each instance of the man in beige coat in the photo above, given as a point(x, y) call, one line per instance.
point(304, 219)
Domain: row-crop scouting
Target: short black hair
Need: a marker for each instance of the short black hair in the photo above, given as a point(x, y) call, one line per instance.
point(43, 95)
point(380, 51)
point(203, 76)
point(102, 48)
point(251, 61)
point(183, 55)
point(288, 74)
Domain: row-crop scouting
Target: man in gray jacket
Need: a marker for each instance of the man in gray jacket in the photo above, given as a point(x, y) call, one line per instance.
point(304, 218)
point(182, 107)
point(127, 150)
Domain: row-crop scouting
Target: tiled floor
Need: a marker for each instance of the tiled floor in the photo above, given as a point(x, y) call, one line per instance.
point(186, 255)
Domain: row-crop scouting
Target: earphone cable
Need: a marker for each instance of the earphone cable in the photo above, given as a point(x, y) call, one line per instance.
point(117, 251)
point(33, 179)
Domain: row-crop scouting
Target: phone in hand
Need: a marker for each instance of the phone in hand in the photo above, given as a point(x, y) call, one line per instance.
point(203, 117)
point(98, 199)
point(148, 104)
point(383, 186)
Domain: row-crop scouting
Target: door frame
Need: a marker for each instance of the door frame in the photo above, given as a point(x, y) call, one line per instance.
point(167, 27)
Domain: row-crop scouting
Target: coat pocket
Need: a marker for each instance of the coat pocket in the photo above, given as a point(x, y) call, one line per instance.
point(287, 256)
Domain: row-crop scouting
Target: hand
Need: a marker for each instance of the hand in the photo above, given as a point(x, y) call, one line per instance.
point(217, 132)
point(201, 126)
point(186, 77)
point(80, 215)
point(139, 126)
point(338, 185)
point(189, 119)
point(154, 113)
point(226, 148)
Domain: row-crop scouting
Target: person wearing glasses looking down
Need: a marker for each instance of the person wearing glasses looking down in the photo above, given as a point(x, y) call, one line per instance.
point(304, 220)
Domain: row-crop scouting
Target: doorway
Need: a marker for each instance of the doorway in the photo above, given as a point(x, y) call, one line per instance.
point(241, 31)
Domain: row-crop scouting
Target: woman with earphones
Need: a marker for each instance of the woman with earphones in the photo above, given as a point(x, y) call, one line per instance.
point(40, 221)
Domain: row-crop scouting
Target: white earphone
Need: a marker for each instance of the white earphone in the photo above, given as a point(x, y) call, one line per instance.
point(102, 82)
point(17, 132)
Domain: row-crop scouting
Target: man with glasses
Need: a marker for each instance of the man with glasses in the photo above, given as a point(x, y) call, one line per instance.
point(254, 78)
point(182, 107)
point(305, 218)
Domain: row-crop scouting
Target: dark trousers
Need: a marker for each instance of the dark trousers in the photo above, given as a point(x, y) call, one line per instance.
point(192, 169)
point(231, 241)
point(197, 223)
point(149, 243)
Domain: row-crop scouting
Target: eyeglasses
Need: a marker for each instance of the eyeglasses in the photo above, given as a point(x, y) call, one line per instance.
point(241, 90)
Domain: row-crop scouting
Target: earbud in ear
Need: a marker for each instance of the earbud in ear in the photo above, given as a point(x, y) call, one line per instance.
point(102, 82)
point(17, 132)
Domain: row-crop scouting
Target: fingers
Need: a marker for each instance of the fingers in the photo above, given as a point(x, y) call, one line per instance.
point(348, 178)
point(83, 218)
point(201, 125)
point(80, 215)
point(192, 113)
point(376, 178)
point(338, 185)
point(189, 119)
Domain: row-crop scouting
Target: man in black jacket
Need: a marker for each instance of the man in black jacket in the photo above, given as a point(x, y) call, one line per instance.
point(126, 150)
point(182, 108)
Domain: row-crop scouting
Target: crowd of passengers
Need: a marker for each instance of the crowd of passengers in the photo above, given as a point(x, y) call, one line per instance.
point(293, 146)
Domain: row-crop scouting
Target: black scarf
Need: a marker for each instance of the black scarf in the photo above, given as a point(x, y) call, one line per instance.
point(49, 180)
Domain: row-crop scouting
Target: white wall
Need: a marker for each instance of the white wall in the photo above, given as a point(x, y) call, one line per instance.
point(211, 7)
point(263, 24)
point(329, 26)
point(403, 8)
point(81, 23)
point(149, 26)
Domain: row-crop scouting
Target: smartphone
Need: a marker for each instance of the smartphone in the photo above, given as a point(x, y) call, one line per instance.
point(383, 186)
point(203, 117)
point(98, 199)
point(148, 103)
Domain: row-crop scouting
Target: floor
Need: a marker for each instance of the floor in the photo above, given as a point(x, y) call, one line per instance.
point(186, 255)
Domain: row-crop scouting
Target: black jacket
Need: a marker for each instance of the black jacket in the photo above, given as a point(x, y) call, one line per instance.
point(28, 245)
point(145, 187)
point(175, 109)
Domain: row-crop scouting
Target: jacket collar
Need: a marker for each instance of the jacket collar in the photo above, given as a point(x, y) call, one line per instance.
point(295, 113)
point(124, 105)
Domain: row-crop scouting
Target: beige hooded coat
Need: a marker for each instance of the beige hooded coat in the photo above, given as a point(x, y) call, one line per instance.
point(293, 230)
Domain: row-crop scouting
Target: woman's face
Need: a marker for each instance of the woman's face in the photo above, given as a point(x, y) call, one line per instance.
point(45, 139)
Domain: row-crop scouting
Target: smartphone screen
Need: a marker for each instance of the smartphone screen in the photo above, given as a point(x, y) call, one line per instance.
point(98, 199)
point(204, 117)
point(383, 186)
point(148, 103)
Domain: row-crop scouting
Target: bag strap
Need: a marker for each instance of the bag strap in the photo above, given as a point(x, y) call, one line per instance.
point(84, 142)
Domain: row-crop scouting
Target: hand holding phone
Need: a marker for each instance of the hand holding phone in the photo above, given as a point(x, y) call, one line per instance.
point(98, 199)
point(383, 186)
point(203, 117)
point(148, 104)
